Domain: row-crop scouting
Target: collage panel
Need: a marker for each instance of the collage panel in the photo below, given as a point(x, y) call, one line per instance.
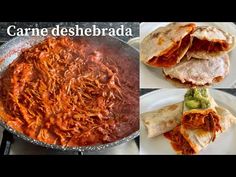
point(69, 88)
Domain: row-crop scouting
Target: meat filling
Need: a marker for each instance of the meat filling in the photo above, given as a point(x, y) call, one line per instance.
point(170, 56)
point(207, 122)
point(178, 142)
point(209, 46)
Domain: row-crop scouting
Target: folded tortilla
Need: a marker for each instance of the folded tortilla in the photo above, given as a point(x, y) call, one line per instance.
point(199, 139)
point(208, 42)
point(191, 141)
point(162, 120)
point(167, 45)
point(212, 105)
point(197, 72)
point(201, 121)
point(204, 119)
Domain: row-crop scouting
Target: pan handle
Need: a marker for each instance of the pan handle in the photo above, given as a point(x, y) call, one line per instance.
point(7, 139)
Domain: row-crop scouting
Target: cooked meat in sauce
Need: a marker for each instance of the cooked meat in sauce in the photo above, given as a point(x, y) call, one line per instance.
point(209, 46)
point(71, 92)
point(207, 122)
point(178, 142)
point(168, 58)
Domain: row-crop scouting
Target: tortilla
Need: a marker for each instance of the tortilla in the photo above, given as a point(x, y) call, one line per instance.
point(162, 120)
point(201, 126)
point(208, 42)
point(199, 72)
point(167, 45)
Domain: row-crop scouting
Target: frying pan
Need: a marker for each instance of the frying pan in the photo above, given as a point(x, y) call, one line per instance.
point(12, 49)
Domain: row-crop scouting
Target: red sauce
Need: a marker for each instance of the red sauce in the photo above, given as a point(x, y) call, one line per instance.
point(178, 142)
point(71, 92)
point(209, 46)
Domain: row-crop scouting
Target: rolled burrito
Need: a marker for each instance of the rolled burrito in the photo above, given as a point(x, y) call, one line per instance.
point(162, 120)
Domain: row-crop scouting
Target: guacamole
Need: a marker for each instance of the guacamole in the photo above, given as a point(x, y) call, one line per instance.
point(197, 98)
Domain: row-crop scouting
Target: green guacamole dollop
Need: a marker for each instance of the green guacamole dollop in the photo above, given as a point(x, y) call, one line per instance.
point(197, 99)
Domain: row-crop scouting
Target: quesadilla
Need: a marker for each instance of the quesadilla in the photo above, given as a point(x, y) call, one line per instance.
point(162, 120)
point(167, 45)
point(208, 42)
point(199, 72)
point(200, 138)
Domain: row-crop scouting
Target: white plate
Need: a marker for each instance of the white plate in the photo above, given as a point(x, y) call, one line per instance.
point(153, 77)
point(224, 144)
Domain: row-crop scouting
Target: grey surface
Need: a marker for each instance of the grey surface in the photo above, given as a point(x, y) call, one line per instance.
point(21, 147)
point(133, 25)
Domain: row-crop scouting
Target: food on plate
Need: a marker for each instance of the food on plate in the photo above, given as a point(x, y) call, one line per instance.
point(71, 92)
point(198, 121)
point(167, 45)
point(162, 120)
point(200, 58)
point(198, 72)
point(202, 121)
point(199, 116)
point(200, 111)
point(208, 42)
point(198, 99)
point(192, 141)
point(178, 142)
